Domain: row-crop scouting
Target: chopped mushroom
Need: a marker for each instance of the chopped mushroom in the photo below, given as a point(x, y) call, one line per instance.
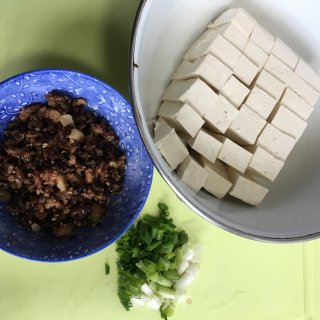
point(59, 166)
point(76, 135)
point(66, 120)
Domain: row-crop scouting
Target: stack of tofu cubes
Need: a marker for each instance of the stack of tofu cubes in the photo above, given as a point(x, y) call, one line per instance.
point(236, 106)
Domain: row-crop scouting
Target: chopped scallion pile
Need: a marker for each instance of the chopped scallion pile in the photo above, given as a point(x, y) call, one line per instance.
point(155, 264)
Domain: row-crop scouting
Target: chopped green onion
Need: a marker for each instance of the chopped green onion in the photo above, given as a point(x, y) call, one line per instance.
point(151, 257)
point(106, 268)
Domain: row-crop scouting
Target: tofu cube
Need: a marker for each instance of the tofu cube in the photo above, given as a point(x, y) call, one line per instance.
point(296, 104)
point(245, 70)
point(217, 45)
point(218, 182)
point(192, 173)
point(264, 39)
point(254, 53)
point(260, 102)
point(270, 85)
point(194, 92)
point(246, 189)
point(238, 16)
point(264, 164)
point(233, 34)
point(234, 155)
point(181, 117)
point(220, 115)
point(305, 71)
point(208, 68)
point(235, 91)
point(206, 145)
point(288, 122)
point(276, 142)
point(284, 53)
point(292, 80)
point(246, 127)
point(169, 144)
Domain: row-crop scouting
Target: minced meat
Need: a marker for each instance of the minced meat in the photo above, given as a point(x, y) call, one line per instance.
point(59, 165)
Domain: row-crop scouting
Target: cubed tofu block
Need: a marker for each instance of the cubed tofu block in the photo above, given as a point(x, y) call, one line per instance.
point(254, 53)
point(233, 34)
point(270, 85)
point(288, 122)
point(194, 92)
point(245, 70)
point(192, 173)
point(264, 164)
point(235, 91)
point(246, 189)
point(246, 127)
point(181, 117)
point(170, 146)
point(234, 155)
point(284, 53)
point(305, 71)
point(217, 45)
point(208, 68)
point(218, 182)
point(296, 104)
point(206, 145)
point(220, 115)
point(260, 102)
point(292, 80)
point(238, 16)
point(264, 39)
point(276, 142)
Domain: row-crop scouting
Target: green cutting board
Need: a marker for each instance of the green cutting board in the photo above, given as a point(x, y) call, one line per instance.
point(239, 279)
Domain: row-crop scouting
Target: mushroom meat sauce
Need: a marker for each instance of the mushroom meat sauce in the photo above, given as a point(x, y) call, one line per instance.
point(59, 165)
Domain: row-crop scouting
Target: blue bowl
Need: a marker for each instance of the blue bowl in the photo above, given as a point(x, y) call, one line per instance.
point(30, 87)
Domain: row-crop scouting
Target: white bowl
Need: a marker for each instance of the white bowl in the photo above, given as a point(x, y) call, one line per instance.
point(163, 30)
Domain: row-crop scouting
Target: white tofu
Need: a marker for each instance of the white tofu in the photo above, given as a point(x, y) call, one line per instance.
point(181, 117)
point(260, 102)
point(296, 104)
point(305, 71)
point(208, 68)
point(289, 123)
point(220, 115)
point(234, 155)
point(276, 142)
point(169, 144)
point(192, 173)
point(194, 92)
point(264, 39)
point(292, 80)
point(245, 70)
point(270, 84)
point(254, 53)
point(217, 45)
point(232, 33)
point(218, 182)
point(235, 91)
point(238, 16)
point(246, 189)
point(284, 53)
point(246, 127)
point(161, 129)
point(206, 145)
point(264, 164)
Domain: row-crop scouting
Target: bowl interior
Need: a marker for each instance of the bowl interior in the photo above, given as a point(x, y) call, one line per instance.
point(124, 207)
point(164, 30)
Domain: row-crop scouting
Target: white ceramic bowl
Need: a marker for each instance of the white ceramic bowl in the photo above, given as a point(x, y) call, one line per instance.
point(163, 30)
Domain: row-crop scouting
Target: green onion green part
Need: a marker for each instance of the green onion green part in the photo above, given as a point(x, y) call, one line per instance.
point(149, 257)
